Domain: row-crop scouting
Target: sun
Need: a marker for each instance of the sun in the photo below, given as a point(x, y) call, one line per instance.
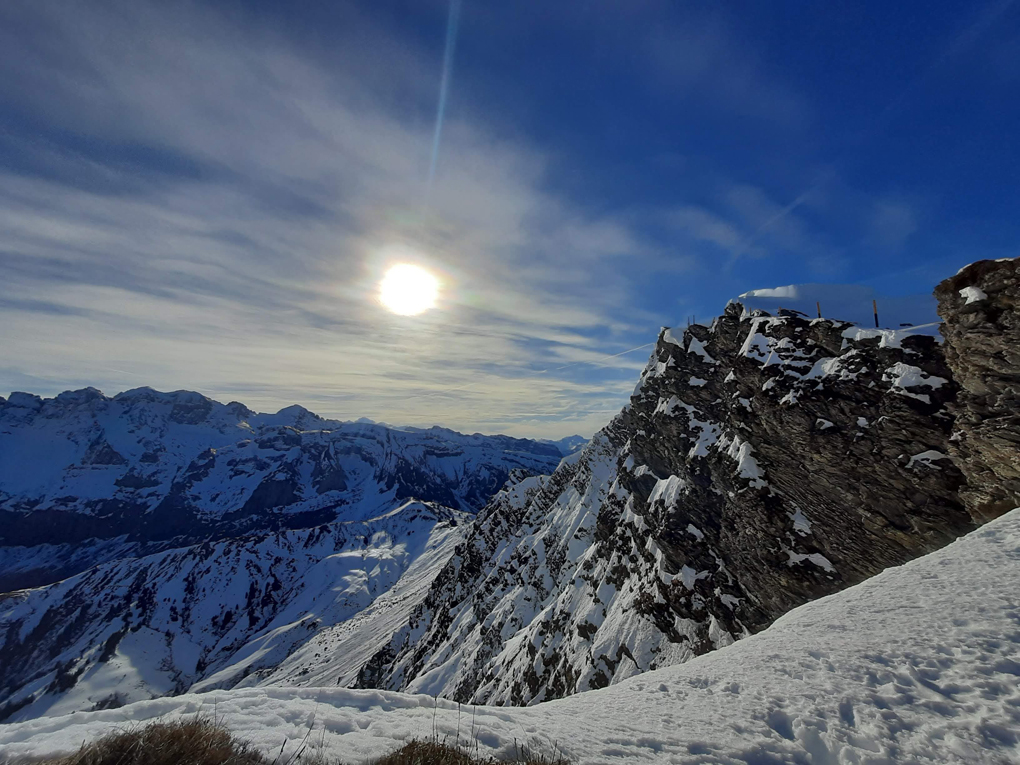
point(408, 290)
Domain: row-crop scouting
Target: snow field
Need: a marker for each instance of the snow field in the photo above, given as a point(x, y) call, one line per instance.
point(920, 664)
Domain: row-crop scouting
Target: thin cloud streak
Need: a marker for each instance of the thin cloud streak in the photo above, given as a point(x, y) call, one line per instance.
point(207, 202)
point(254, 276)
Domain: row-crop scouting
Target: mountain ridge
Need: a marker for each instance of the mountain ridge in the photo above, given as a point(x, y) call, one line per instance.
point(763, 462)
point(219, 614)
point(144, 470)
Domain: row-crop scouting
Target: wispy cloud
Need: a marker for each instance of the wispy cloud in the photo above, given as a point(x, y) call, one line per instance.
point(192, 198)
point(892, 221)
point(237, 198)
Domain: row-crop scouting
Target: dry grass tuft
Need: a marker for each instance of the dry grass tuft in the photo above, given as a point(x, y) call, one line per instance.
point(437, 753)
point(427, 753)
point(200, 741)
point(194, 741)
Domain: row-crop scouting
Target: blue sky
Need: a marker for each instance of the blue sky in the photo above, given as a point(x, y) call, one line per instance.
point(205, 195)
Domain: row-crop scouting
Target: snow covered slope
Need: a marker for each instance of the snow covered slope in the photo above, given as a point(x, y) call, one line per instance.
point(145, 469)
point(920, 664)
point(300, 607)
point(569, 445)
point(762, 462)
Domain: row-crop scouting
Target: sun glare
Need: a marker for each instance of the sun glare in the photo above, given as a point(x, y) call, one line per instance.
point(408, 290)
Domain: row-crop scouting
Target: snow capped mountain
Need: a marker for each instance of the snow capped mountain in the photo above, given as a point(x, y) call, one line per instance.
point(85, 478)
point(916, 665)
point(300, 607)
point(762, 462)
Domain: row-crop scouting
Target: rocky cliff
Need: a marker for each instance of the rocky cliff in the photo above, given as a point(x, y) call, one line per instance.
point(762, 462)
point(982, 331)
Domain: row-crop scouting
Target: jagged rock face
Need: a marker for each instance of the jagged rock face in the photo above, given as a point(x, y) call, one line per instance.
point(761, 463)
point(85, 478)
point(982, 330)
point(299, 607)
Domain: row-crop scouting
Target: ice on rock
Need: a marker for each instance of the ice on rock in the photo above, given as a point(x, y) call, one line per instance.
point(800, 523)
point(747, 466)
point(815, 558)
point(697, 347)
point(669, 337)
point(667, 490)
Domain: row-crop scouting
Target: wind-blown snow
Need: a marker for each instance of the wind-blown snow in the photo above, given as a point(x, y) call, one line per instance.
point(847, 302)
point(920, 664)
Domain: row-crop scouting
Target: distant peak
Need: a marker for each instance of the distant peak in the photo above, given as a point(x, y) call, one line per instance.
point(78, 397)
point(296, 409)
point(145, 393)
point(24, 400)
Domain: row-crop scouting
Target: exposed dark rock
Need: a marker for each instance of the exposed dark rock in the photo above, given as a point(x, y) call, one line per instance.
point(270, 494)
point(132, 480)
point(101, 453)
point(191, 410)
point(982, 330)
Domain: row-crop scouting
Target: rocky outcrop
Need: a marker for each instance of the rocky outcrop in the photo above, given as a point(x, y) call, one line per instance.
point(762, 462)
point(982, 329)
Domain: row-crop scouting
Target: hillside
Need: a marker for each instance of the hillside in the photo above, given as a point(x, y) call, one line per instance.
point(302, 607)
point(917, 665)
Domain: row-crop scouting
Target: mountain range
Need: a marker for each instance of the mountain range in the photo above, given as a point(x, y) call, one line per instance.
point(764, 461)
point(87, 478)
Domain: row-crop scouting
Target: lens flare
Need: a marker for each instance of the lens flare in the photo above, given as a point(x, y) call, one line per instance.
point(408, 290)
